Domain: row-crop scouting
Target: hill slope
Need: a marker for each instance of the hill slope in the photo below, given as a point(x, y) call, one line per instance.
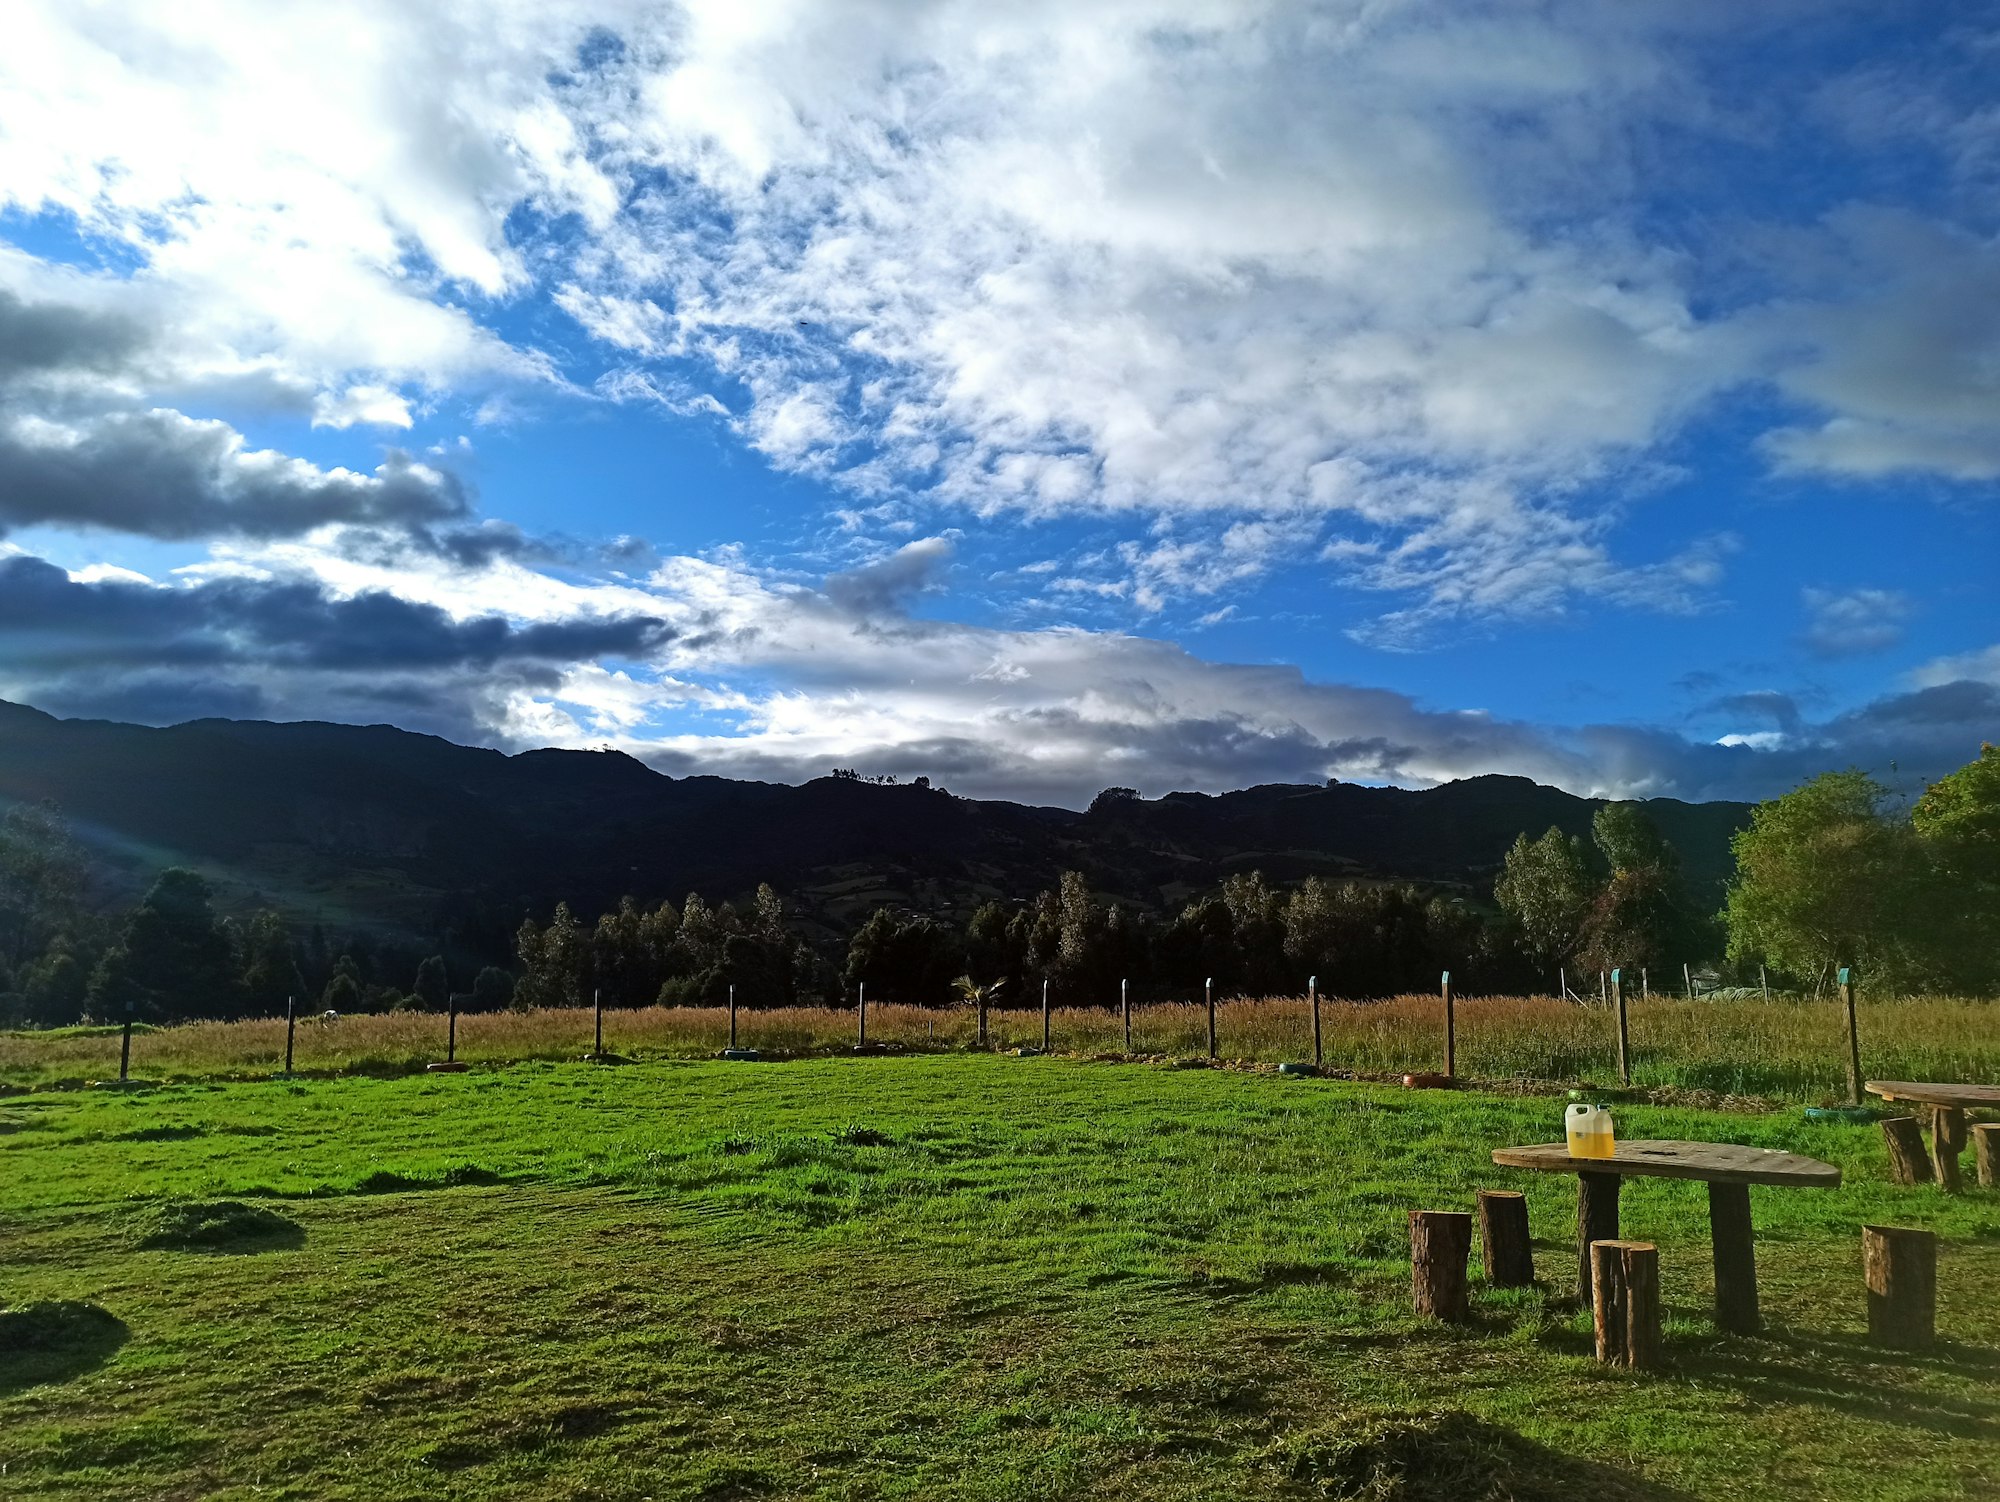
point(379, 827)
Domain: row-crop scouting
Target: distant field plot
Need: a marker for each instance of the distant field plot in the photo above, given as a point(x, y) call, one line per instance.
point(1780, 1049)
point(918, 1277)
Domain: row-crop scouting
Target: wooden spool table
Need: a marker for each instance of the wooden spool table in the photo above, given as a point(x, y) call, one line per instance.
point(1727, 1169)
point(1949, 1104)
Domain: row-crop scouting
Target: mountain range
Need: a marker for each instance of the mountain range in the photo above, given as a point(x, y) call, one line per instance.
point(376, 828)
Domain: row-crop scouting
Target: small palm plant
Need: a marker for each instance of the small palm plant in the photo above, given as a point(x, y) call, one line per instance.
point(972, 993)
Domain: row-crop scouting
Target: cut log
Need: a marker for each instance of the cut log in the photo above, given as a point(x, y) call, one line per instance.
point(1986, 1154)
point(1596, 1220)
point(1503, 1238)
point(1947, 1142)
point(1625, 1299)
point(1900, 1267)
point(1440, 1246)
point(1909, 1163)
point(1735, 1258)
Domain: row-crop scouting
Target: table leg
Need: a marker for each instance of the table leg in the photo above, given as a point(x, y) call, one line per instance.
point(1947, 1142)
point(1735, 1259)
point(1596, 1220)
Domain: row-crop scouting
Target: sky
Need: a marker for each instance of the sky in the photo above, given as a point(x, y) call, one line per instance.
point(1170, 394)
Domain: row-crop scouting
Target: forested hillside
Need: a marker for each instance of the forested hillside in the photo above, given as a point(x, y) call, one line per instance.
point(411, 837)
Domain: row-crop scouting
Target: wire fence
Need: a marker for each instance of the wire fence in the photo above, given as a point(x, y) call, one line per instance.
point(1784, 1048)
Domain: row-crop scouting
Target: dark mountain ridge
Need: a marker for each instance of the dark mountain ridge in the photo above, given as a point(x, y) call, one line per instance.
point(388, 829)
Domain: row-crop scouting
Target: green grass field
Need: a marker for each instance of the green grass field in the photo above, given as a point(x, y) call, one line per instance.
point(920, 1277)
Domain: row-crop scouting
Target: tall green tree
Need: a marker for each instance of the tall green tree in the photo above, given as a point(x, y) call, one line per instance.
point(432, 988)
point(1957, 821)
point(42, 874)
point(270, 964)
point(173, 959)
point(1547, 888)
point(1824, 879)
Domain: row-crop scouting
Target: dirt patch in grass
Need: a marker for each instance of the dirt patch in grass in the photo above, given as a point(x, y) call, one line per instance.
point(1424, 1457)
point(861, 1136)
point(458, 1176)
point(52, 1342)
point(218, 1226)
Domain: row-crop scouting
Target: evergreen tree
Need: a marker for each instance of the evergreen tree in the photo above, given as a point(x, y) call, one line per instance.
point(172, 960)
point(492, 990)
point(270, 972)
point(431, 991)
point(42, 874)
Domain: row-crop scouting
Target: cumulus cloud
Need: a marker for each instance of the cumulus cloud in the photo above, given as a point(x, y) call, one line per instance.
point(166, 475)
point(722, 669)
point(1853, 622)
point(1275, 262)
point(112, 642)
point(1908, 365)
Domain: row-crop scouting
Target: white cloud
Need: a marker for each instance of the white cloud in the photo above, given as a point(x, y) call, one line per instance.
point(1850, 623)
point(788, 681)
point(1981, 666)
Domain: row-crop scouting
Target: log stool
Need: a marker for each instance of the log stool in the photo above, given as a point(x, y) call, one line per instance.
point(1949, 1104)
point(1900, 1268)
point(1986, 1154)
point(1909, 1162)
point(1503, 1238)
point(1440, 1246)
point(1625, 1301)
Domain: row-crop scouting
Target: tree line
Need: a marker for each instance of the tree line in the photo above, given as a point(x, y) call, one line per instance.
point(1831, 874)
point(171, 956)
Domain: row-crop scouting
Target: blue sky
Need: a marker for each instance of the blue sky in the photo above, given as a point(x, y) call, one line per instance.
point(1169, 393)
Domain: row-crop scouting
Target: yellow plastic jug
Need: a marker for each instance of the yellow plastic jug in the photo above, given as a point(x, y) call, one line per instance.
point(1589, 1129)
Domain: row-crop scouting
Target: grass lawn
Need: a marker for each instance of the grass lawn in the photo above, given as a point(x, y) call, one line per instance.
point(923, 1277)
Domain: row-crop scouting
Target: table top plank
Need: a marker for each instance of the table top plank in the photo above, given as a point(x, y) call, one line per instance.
point(1974, 1096)
point(1711, 1162)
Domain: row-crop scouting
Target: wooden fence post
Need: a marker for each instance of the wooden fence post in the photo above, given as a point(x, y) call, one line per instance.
point(597, 1006)
point(1312, 992)
point(1440, 1246)
point(1596, 1220)
point(450, 1027)
point(1986, 1154)
point(1503, 1238)
point(125, 1047)
point(291, 1021)
point(1624, 1031)
point(1687, 979)
point(1208, 989)
point(732, 1015)
point(1045, 1014)
point(1947, 1142)
point(1625, 1303)
point(1450, 1028)
point(1764, 983)
point(1645, 985)
point(1900, 1267)
point(1909, 1162)
point(861, 1013)
point(1853, 1038)
point(1125, 1011)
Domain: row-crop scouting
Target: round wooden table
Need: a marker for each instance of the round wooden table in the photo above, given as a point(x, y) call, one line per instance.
point(1948, 1103)
point(1727, 1169)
